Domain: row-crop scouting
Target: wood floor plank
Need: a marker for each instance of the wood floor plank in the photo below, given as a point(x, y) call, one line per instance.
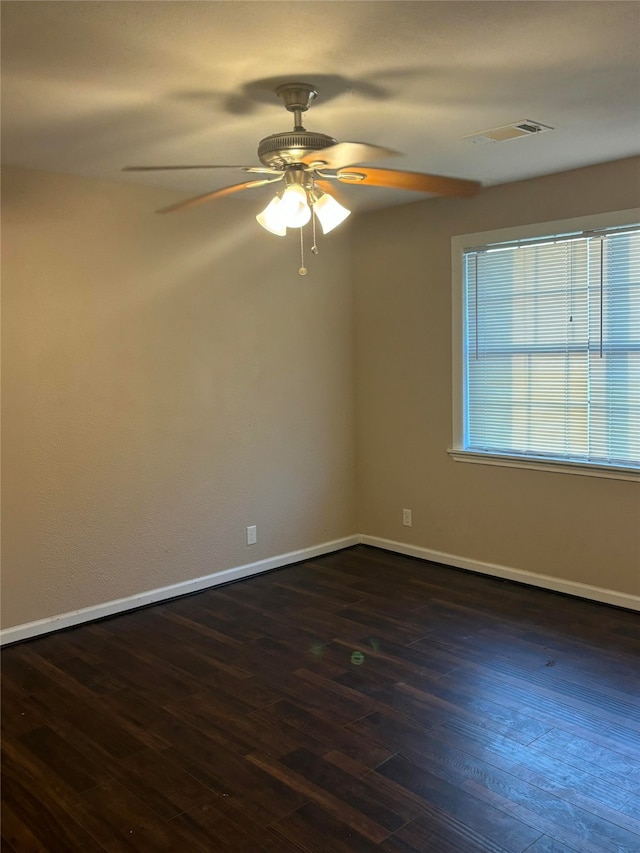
point(439, 701)
point(551, 711)
point(39, 815)
point(235, 731)
point(232, 776)
point(315, 830)
point(552, 773)
point(328, 626)
point(97, 735)
point(13, 830)
point(396, 630)
point(121, 823)
point(324, 594)
point(319, 794)
point(552, 682)
point(19, 672)
point(141, 670)
point(17, 712)
point(557, 815)
point(353, 702)
point(444, 805)
point(360, 794)
point(136, 713)
point(46, 755)
point(159, 783)
point(218, 826)
point(314, 729)
point(441, 832)
point(391, 660)
point(344, 707)
point(545, 844)
point(612, 767)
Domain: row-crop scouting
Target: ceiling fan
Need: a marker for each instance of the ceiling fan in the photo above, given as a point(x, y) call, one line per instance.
point(307, 162)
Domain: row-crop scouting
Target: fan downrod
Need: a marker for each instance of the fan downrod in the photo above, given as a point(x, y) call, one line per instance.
point(297, 98)
point(281, 150)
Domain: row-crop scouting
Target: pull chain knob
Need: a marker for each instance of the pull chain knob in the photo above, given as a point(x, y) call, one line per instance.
point(303, 269)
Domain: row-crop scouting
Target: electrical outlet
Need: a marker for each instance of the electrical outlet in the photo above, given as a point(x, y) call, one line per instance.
point(406, 517)
point(252, 535)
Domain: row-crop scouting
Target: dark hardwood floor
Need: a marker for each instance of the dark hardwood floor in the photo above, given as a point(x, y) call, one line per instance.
point(361, 701)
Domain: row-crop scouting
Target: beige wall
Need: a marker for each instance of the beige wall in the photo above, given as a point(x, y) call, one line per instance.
point(166, 382)
point(572, 527)
point(169, 380)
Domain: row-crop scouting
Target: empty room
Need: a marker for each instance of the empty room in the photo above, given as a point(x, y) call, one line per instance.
point(320, 500)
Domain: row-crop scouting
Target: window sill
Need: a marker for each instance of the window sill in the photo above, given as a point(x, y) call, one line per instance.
point(535, 464)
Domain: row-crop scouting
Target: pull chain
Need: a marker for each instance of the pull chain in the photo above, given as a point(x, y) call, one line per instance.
point(303, 269)
point(314, 248)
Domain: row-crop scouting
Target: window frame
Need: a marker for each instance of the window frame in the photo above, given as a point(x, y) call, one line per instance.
point(462, 242)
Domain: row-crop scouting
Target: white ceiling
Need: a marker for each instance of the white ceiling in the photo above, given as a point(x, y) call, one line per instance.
point(89, 87)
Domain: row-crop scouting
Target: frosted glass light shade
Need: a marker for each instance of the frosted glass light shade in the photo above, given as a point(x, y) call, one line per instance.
point(294, 208)
point(272, 219)
point(330, 212)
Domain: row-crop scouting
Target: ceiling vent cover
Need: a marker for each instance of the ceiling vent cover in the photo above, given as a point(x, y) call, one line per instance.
point(526, 127)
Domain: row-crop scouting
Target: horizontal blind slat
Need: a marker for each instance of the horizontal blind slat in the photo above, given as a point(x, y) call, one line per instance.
point(552, 348)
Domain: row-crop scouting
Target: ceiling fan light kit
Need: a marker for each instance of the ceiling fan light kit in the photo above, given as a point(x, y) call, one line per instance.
point(295, 208)
point(306, 162)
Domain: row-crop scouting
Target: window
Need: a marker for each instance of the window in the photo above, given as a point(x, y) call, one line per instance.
point(548, 347)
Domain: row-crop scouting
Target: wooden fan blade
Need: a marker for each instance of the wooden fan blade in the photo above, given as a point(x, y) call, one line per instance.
point(347, 153)
point(264, 169)
point(418, 181)
point(200, 199)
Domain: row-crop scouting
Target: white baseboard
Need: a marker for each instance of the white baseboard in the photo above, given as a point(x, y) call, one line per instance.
point(581, 590)
point(30, 630)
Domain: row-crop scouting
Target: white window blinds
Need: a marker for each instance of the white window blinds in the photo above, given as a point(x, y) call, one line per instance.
point(552, 348)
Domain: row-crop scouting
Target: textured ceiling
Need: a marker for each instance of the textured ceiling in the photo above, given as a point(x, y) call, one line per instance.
point(89, 87)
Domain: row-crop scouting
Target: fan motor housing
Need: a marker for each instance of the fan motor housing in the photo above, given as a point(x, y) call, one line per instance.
point(285, 149)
